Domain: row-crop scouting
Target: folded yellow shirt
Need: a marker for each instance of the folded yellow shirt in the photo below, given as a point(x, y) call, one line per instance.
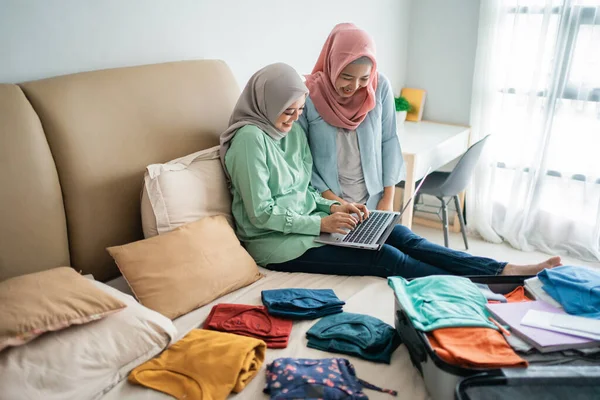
point(204, 365)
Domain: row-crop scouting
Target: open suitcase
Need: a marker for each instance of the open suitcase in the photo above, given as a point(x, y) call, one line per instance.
point(445, 381)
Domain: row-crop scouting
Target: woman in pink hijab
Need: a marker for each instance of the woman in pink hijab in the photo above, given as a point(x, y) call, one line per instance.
point(349, 118)
point(350, 121)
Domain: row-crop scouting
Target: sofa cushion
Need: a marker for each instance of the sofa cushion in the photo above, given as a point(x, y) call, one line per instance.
point(181, 270)
point(184, 190)
point(33, 236)
point(105, 127)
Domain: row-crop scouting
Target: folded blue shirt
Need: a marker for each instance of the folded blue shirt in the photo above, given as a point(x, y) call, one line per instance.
point(301, 303)
point(354, 334)
point(577, 289)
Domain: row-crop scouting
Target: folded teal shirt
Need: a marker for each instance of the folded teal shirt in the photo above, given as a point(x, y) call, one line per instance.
point(577, 289)
point(441, 301)
point(359, 335)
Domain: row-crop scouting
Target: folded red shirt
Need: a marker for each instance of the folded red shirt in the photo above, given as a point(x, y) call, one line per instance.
point(252, 321)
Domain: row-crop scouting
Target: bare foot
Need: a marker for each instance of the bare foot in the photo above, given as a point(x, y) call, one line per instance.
point(532, 269)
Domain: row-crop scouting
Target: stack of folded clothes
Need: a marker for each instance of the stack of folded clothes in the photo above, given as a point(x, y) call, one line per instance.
point(252, 321)
point(451, 309)
point(301, 303)
point(355, 334)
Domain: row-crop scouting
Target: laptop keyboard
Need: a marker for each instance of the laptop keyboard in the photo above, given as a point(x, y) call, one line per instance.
point(368, 231)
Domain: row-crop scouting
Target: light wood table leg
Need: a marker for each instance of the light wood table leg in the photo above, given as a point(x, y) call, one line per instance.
point(409, 189)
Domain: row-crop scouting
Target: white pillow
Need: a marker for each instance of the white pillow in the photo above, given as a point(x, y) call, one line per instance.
point(85, 361)
point(184, 190)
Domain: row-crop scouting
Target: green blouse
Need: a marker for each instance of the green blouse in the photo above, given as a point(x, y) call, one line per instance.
point(277, 213)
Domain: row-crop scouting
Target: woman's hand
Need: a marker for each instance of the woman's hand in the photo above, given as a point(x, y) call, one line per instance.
point(338, 222)
point(360, 210)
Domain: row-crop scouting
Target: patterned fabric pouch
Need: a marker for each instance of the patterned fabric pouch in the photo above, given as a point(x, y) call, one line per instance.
point(328, 378)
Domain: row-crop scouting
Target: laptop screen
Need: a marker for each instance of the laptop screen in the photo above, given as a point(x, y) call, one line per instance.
point(415, 192)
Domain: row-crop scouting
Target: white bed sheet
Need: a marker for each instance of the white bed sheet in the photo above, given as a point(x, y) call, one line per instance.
point(365, 295)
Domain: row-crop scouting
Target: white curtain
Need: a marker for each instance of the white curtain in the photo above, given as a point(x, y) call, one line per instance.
point(537, 92)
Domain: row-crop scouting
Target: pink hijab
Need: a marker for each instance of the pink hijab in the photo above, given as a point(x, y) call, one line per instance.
point(345, 43)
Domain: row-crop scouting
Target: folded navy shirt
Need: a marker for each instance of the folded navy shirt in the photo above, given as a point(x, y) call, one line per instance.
point(355, 334)
point(301, 303)
point(328, 378)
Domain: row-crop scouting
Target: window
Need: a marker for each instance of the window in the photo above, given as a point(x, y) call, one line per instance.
point(551, 77)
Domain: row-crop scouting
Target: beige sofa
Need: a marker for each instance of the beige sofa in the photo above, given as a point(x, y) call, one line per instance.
point(73, 150)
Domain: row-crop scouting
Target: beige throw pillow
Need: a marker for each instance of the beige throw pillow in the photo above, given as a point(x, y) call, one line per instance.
point(186, 268)
point(49, 300)
point(184, 190)
point(85, 361)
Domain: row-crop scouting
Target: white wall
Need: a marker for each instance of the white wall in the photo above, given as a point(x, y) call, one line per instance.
point(42, 38)
point(441, 56)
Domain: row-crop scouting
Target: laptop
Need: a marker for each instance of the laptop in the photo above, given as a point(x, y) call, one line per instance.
point(372, 233)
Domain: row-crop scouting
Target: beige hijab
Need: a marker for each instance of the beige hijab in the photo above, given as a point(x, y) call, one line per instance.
point(268, 93)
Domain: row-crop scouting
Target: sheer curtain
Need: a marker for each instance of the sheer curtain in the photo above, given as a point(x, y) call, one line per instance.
point(537, 91)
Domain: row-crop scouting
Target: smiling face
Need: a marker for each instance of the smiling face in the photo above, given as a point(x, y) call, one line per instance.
point(290, 115)
point(352, 79)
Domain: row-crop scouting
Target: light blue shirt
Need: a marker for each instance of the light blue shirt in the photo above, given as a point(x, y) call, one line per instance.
point(577, 289)
point(380, 153)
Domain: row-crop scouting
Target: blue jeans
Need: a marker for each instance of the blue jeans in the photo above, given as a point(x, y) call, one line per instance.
point(403, 254)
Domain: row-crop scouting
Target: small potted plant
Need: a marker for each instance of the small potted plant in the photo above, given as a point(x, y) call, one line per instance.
point(402, 107)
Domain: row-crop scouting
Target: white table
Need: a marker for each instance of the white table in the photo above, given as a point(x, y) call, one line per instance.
point(428, 144)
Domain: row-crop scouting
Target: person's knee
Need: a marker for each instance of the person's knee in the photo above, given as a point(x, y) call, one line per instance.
point(403, 236)
point(402, 230)
point(390, 261)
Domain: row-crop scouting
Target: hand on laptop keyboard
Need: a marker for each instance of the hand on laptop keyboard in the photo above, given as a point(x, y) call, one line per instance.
point(338, 222)
point(369, 229)
point(359, 222)
point(358, 210)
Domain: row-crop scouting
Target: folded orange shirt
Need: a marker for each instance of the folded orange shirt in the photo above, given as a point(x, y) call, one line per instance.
point(517, 296)
point(478, 347)
point(474, 348)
